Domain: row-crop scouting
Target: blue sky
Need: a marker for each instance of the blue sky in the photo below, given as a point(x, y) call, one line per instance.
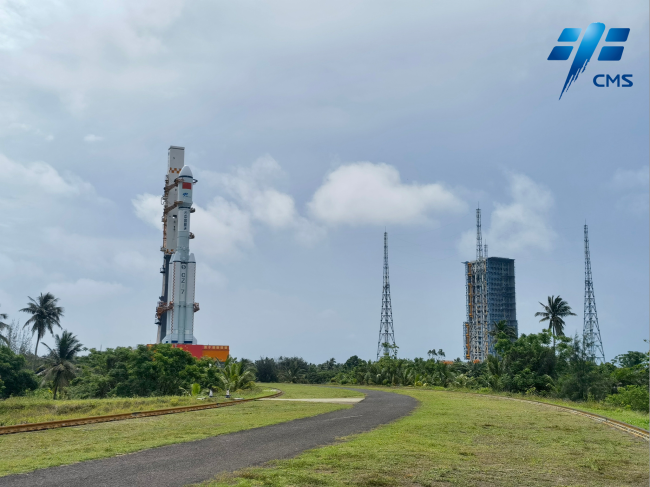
point(311, 127)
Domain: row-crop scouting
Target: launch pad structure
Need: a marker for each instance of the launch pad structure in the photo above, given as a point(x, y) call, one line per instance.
point(490, 298)
point(176, 306)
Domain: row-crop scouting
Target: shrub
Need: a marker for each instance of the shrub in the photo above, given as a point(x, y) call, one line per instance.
point(631, 397)
point(15, 378)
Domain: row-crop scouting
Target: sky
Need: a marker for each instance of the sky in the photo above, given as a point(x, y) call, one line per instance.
point(313, 127)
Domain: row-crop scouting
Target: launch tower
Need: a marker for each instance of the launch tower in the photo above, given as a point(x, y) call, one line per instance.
point(490, 298)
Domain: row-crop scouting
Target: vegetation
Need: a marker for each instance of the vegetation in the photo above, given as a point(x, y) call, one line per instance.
point(38, 406)
point(23, 452)
point(233, 375)
point(3, 326)
point(554, 312)
point(15, 378)
point(60, 368)
point(529, 365)
point(45, 314)
point(468, 440)
point(545, 365)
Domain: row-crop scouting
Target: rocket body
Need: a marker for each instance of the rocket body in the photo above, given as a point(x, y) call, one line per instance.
point(176, 306)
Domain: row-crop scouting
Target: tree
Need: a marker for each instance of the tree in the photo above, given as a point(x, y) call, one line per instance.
point(293, 369)
point(503, 327)
point(630, 359)
point(235, 375)
point(353, 362)
point(267, 370)
point(528, 363)
point(60, 368)
point(3, 325)
point(15, 378)
point(45, 314)
point(554, 311)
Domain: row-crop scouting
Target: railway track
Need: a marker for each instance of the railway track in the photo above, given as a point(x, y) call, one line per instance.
point(22, 428)
point(628, 428)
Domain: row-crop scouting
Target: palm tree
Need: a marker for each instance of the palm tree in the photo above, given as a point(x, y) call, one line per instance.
point(503, 327)
point(45, 314)
point(60, 368)
point(3, 325)
point(236, 375)
point(556, 309)
point(293, 372)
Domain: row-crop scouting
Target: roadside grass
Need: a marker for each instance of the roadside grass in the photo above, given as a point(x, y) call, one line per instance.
point(464, 439)
point(24, 452)
point(309, 391)
point(635, 418)
point(21, 410)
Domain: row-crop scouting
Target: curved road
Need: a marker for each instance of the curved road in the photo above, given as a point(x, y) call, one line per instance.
point(197, 461)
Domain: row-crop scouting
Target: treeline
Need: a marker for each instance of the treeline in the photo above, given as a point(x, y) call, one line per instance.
point(529, 365)
point(547, 364)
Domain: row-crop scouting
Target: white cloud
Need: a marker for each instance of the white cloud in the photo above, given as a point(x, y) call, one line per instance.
point(90, 138)
point(221, 228)
point(367, 193)
point(40, 186)
point(624, 179)
point(522, 225)
point(252, 198)
point(148, 209)
point(634, 186)
point(360, 193)
point(251, 187)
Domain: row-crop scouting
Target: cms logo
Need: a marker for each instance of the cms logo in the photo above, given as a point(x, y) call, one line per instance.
point(604, 80)
point(586, 49)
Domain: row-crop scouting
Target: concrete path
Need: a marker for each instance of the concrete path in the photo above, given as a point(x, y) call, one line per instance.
point(197, 461)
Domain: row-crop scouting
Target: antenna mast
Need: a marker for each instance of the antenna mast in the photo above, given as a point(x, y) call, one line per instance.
point(386, 334)
point(591, 331)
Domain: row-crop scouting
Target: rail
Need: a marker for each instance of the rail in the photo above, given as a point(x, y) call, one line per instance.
point(46, 425)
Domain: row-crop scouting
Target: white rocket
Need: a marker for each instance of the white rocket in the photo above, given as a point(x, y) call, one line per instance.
point(176, 306)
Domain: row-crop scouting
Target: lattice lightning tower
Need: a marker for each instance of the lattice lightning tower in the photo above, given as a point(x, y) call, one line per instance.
point(590, 330)
point(386, 334)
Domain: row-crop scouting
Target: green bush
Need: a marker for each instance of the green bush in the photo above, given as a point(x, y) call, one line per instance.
point(15, 378)
point(631, 397)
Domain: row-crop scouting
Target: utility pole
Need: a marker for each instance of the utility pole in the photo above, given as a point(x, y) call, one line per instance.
point(386, 334)
point(591, 331)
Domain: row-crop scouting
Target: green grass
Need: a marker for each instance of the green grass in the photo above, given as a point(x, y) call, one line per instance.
point(307, 391)
point(24, 452)
point(21, 410)
point(635, 418)
point(464, 439)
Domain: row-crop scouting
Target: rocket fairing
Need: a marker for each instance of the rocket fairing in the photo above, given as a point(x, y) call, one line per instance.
point(176, 307)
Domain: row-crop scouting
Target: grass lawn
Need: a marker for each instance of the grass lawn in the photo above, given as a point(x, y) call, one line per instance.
point(307, 391)
point(23, 452)
point(467, 440)
point(20, 410)
point(635, 418)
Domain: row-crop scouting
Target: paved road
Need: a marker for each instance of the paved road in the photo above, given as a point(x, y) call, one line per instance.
point(197, 461)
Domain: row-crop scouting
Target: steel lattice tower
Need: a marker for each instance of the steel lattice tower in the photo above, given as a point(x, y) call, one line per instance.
point(386, 334)
point(590, 330)
point(476, 337)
